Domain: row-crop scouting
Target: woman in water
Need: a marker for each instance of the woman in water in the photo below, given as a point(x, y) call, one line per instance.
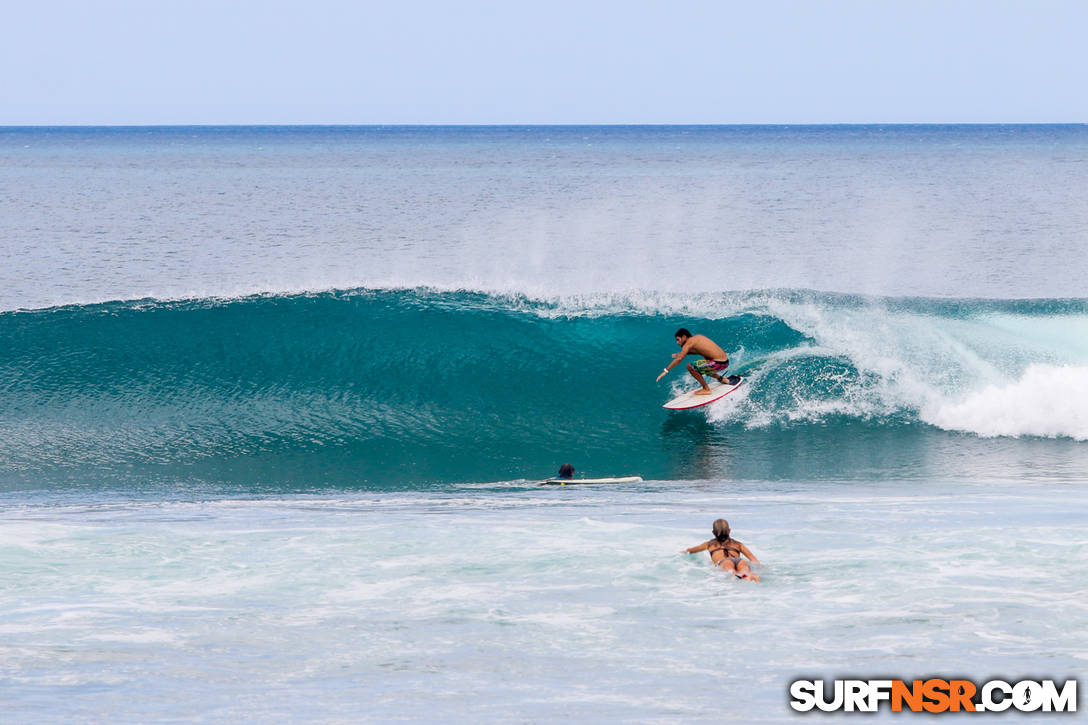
point(726, 551)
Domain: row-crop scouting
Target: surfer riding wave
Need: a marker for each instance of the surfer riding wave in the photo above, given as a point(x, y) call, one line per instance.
point(714, 363)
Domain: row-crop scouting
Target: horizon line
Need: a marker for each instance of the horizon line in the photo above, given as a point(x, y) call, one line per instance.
point(538, 125)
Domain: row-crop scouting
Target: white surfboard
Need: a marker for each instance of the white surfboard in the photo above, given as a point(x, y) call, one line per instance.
point(691, 400)
point(569, 481)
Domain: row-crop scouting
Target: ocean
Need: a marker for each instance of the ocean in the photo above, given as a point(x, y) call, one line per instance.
point(275, 402)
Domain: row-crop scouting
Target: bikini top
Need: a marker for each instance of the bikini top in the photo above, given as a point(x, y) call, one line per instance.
point(731, 547)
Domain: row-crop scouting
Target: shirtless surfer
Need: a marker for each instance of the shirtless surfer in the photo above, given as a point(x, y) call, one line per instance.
point(725, 552)
point(714, 362)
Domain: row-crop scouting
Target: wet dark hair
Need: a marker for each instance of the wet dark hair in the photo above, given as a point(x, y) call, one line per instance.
point(682, 332)
point(566, 471)
point(721, 530)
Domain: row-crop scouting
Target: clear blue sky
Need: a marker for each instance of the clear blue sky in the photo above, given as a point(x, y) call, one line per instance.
point(414, 61)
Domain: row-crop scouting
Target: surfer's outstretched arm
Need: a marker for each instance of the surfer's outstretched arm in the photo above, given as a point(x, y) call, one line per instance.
point(697, 549)
point(685, 350)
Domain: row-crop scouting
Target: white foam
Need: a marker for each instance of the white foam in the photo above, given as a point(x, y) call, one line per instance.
point(1047, 400)
point(397, 591)
point(978, 374)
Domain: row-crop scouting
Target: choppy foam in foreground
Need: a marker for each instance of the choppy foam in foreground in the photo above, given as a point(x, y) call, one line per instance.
point(527, 604)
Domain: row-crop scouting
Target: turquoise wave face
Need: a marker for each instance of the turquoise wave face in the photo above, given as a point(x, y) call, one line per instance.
point(416, 387)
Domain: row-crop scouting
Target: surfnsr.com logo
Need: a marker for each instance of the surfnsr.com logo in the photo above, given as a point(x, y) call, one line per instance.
point(933, 695)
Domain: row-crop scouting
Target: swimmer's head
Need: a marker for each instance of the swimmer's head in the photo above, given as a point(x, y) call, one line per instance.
point(721, 529)
point(566, 471)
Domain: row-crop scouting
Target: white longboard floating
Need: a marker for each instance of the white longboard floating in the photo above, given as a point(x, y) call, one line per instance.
point(569, 481)
point(691, 400)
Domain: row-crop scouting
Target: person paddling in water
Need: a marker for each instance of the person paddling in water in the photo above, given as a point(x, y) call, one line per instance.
point(714, 362)
point(726, 551)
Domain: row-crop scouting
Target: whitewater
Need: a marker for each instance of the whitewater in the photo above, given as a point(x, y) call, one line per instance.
point(275, 402)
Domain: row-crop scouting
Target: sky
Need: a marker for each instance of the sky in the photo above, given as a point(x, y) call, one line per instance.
point(120, 62)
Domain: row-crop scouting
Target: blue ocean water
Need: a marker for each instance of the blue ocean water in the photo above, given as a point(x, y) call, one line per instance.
point(274, 402)
point(407, 388)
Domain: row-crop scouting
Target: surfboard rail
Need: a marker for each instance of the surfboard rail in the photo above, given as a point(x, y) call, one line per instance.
point(573, 481)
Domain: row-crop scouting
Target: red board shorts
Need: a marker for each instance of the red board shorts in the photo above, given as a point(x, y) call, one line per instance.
point(707, 367)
